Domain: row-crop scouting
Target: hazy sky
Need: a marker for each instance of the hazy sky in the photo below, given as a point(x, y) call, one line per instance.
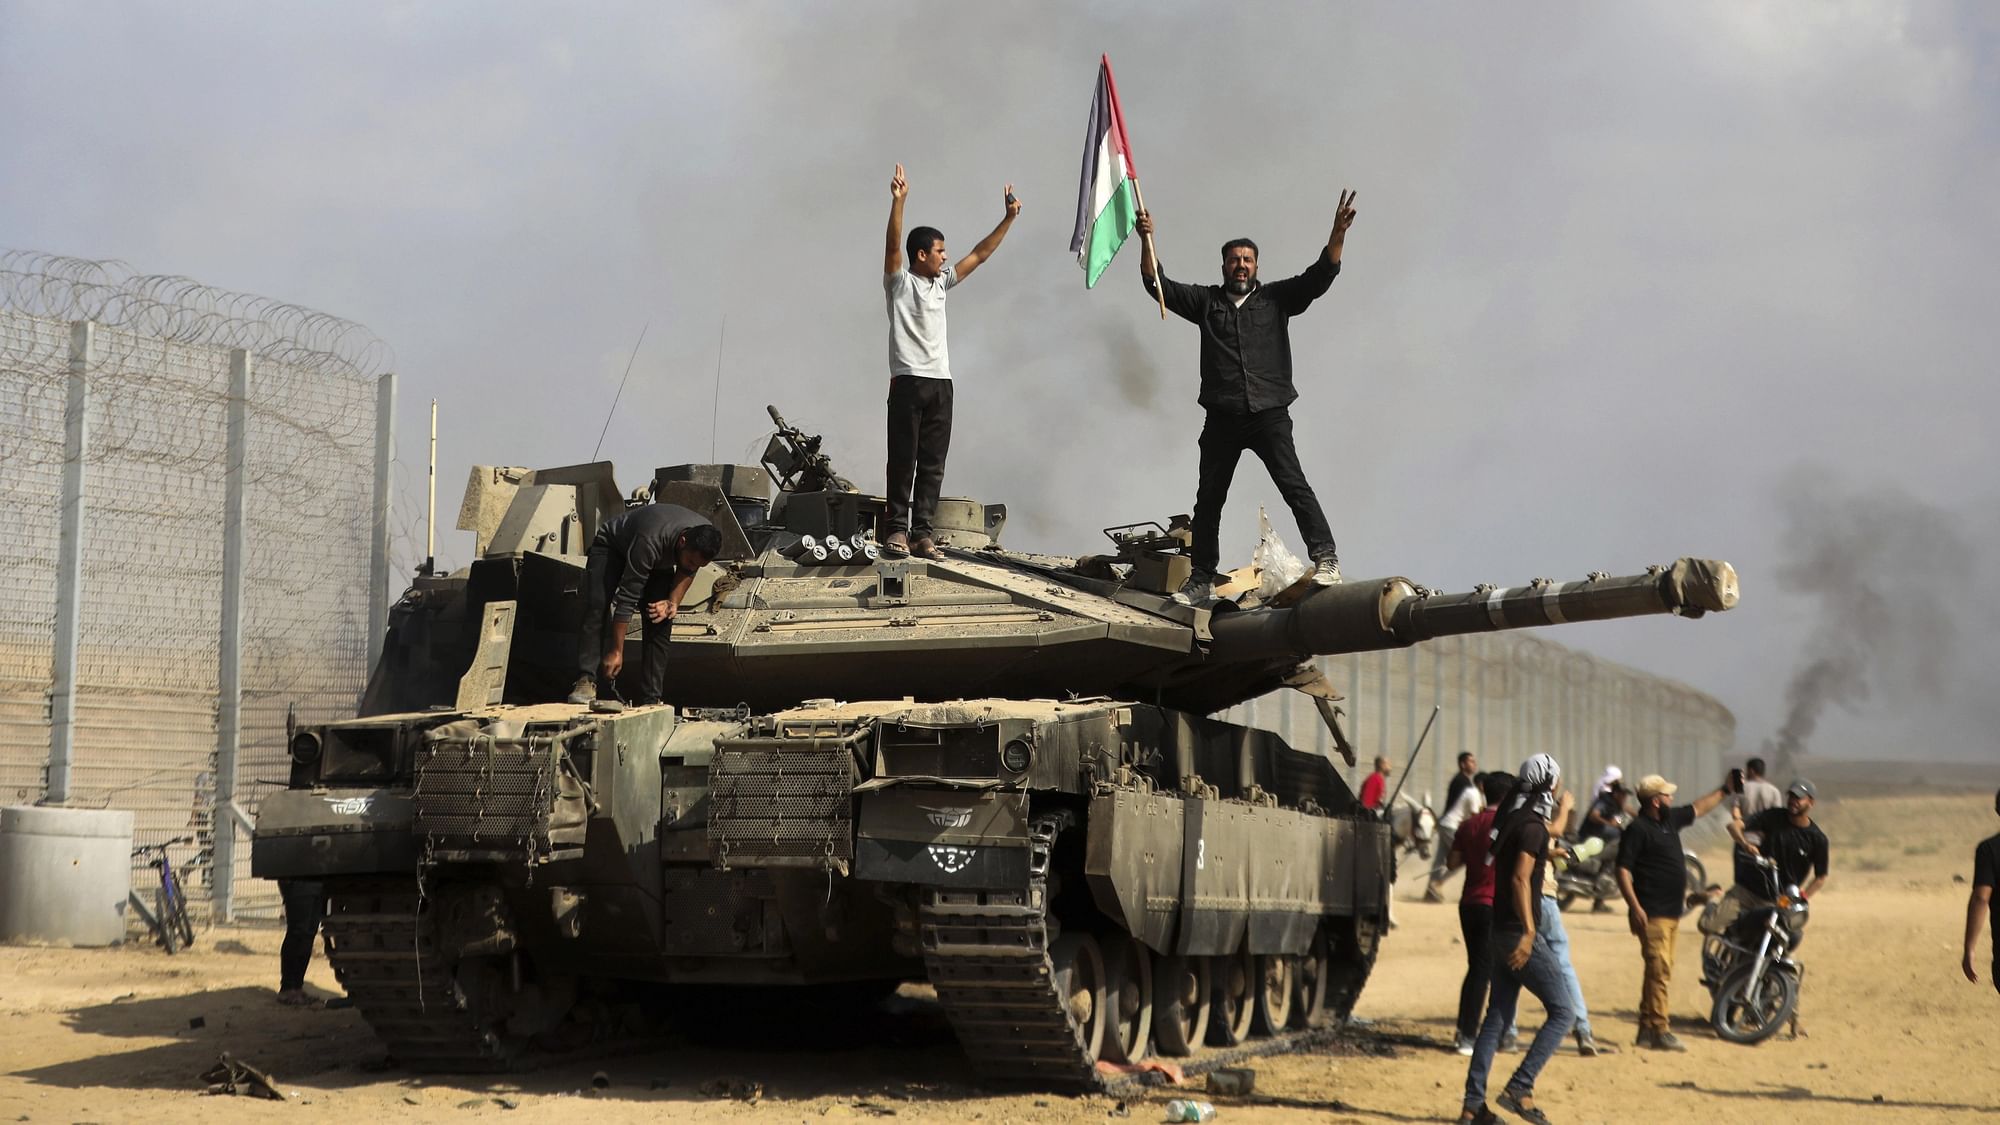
point(1627, 283)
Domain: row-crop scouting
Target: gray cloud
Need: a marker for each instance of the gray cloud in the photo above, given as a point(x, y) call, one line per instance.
point(1618, 270)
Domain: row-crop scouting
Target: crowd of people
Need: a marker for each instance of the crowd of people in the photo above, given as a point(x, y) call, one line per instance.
point(1508, 832)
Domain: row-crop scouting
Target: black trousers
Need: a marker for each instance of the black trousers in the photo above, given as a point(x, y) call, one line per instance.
point(1475, 924)
point(603, 571)
point(305, 905)
point(1268, 434)
point(919, 439)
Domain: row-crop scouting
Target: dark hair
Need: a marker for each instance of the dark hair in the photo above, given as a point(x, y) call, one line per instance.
point(1754, 765)
point(1235, 242)
point(1463, 755)
point(704, 540)
point(921, 238)
point(1496, 785)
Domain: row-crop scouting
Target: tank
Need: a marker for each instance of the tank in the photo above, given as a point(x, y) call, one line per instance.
point(995, 773)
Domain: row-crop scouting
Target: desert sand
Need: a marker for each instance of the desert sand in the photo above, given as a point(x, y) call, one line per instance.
point(1893, 1031)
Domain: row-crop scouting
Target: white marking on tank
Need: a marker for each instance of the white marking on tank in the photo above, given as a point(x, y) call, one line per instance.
point(1552, 604)
point(1201, 854)
point(350, 806)
point(944, 817)
point(1493, 611)
point(949, 859)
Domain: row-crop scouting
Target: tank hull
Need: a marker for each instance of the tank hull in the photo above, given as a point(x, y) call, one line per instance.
point(522, 873)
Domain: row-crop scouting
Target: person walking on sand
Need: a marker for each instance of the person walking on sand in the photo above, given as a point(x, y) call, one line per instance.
point(1469, 846)
point(1522, 955)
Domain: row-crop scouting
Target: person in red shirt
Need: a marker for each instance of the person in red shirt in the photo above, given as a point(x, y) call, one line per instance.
point(1469, 846)
point(1375, 789)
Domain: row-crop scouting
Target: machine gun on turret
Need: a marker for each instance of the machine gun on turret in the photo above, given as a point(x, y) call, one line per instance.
point(796, 463)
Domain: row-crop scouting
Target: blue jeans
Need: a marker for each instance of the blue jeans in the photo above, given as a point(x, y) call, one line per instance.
point(1542, 976)
point(1551, 923)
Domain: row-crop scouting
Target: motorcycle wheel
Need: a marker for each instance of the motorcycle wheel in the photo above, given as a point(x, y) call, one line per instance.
point(1742, 1018)
point(1697, 886)
point(1563, 900)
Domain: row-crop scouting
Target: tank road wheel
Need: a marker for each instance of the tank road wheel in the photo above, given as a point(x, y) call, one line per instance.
point(1275, 977)
point(1181, 1000)
point(1080, 983)
point(1129, 966)
point(1235, 999)
point(1309, 983)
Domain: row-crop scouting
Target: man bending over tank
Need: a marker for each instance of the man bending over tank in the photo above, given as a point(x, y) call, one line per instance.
point(920, 370)
point(1246, 387)
point(646, 557)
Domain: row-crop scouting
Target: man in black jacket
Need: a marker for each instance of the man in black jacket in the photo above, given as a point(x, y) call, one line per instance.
point(641, 558)
point(1246, 386)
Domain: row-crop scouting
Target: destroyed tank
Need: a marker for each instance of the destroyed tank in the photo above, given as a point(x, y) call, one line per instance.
point(996, 773)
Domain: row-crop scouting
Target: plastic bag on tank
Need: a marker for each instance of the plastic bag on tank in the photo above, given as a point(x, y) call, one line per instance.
point(1277, 566)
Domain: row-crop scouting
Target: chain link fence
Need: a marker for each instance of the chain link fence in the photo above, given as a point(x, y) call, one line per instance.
point(192, 488)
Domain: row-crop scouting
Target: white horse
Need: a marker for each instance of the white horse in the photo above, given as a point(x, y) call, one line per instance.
point(1413, 825)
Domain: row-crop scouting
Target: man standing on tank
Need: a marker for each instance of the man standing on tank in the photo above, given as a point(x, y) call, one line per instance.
point(920, 387)
point(641, 558)
point(1246, 387)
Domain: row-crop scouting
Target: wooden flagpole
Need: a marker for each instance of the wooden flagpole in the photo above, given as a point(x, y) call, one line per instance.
point(1159, 290)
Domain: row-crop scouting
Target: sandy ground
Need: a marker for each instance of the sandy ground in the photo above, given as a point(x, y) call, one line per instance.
point(1895, 1034)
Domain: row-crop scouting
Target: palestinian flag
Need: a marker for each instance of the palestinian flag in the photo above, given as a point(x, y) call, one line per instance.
point(1107, 205)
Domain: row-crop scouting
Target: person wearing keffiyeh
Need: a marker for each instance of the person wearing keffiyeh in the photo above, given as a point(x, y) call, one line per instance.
point(1523, 954)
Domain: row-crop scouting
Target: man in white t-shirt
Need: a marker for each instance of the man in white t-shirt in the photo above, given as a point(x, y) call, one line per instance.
point(920, 370)
point(1467, 804)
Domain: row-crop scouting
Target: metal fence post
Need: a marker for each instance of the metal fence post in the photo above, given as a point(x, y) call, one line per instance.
point(229, 649)
point(378, 540)
point(69, 567)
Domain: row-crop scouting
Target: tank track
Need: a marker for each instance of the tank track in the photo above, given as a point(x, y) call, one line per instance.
point(384, 950)
point(987, 955)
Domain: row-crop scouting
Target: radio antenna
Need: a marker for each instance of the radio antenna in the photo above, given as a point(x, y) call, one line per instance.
point(715, 403)
point(431, 505)
point(621, 392)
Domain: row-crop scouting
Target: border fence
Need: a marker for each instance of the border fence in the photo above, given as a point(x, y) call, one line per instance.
point(195, 489)
point(1504, 697)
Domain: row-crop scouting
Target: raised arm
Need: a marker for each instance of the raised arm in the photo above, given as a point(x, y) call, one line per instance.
point(1343, 217)
point(1184, 300)
point(1296, 294)
point(1705, 804)
point(892, 254)
point(991, 242)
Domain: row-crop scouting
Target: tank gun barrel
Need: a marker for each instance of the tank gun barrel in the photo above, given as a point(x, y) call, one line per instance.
point(1370, 616)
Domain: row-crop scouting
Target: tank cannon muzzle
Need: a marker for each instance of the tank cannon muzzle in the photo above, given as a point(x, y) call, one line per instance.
point(1372, 615)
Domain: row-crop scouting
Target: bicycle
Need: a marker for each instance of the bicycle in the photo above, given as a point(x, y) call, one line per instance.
point(170, 921)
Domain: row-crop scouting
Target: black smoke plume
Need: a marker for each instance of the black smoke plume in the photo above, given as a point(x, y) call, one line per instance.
point(1881, 569)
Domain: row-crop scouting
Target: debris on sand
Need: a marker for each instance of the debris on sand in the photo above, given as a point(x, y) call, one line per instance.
point(741, 1089)
point(229, 1076)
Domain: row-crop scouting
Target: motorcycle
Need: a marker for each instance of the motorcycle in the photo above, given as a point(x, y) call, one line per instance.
point(1746, 956)
point(1592, 872)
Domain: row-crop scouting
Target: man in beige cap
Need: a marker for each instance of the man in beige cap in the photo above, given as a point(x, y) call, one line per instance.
point(1652, 875)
